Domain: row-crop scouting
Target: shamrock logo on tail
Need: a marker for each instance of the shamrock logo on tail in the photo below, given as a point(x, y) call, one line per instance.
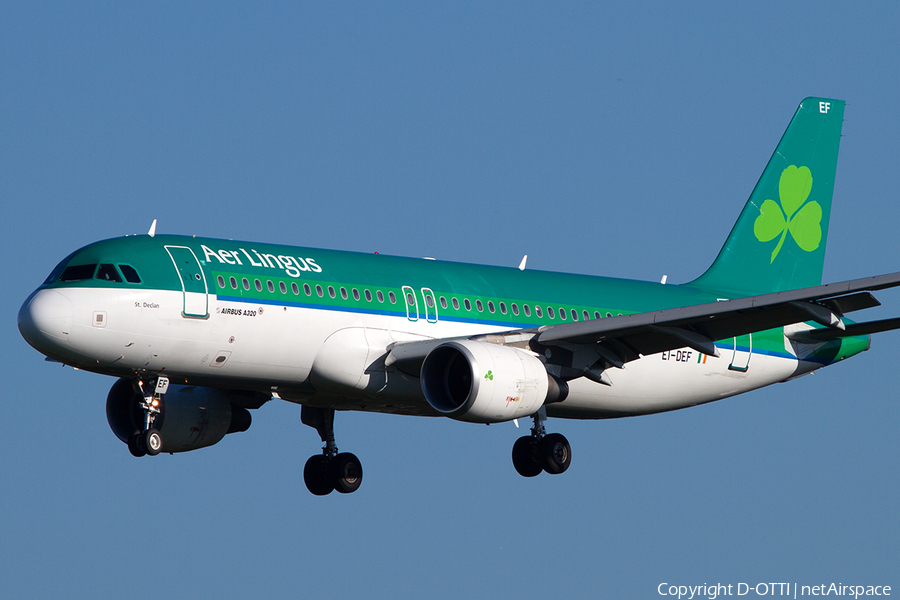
point(802, 221)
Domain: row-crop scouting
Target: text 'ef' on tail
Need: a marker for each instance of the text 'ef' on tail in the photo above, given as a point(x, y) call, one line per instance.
point(778, 243)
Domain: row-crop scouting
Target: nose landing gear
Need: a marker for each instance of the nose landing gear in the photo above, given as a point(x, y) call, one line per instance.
point(539, 451)
point(148, 441)
point(331, 470)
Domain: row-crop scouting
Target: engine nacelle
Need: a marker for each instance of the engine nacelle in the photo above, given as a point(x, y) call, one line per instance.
point(190, 417)
point(486, 383)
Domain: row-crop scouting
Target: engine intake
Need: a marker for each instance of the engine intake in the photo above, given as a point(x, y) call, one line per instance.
point(190, 417)
point(486, 383)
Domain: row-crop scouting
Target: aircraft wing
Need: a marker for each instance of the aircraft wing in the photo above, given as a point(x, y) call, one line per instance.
point(618, 340)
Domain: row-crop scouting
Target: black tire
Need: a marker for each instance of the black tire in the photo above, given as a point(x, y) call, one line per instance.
point(316, 476)
point(152, 442)
point(555, 453)
point(136, 444)
point(523, 457)
point(346, 472)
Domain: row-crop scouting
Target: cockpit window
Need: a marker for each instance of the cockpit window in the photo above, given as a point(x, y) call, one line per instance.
point(131, 275)
point(57, 270)
point(78, 272)
point(108, 272)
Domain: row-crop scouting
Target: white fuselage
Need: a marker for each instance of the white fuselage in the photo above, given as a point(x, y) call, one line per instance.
point(334, 357)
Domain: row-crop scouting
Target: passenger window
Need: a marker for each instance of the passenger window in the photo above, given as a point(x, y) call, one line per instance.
point(258, 285)
point(392, 297)
point(368, 296)
point(221, 281)
point(108, 272)
point(282, 287)
point(490, 306)
point(356, 294)
point(233, 282)
point(331, 291)
point(379, 295)
point(455, 303)
point(343, 292)
point(550, 312)
point(410, 299)
point(562, 314)
point(586, 315)
point(597, 314)
point(271, 286)
point(78, 273)
point(295, 288)
point(443, 302)
point(515, 309)
point(468, 304)
point(319, 291)
point(307, 290)
point(608, 315)
point(130, 274)
point(479, 306)
point(245, 283)
point(429, 300)
point(503, 307)
point(574, 315)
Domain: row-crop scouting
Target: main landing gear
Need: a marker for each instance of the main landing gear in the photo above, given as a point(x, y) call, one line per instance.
point(539, 451)
point(148, 441)
point(331, 470)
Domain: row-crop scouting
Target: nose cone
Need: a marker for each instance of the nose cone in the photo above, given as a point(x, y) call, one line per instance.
point(45, 320)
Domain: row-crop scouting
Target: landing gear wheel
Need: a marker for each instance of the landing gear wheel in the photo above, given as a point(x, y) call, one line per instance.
point(136, 444)
point(555, 453)
point(523, 457)
point(316, 476)
point(152, 441)
point(346, 473)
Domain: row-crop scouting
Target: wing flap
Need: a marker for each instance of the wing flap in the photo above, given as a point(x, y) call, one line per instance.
point(618, 340)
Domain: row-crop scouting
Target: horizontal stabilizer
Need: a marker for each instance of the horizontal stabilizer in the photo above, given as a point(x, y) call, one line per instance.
point(824, 335)
point(851, 302)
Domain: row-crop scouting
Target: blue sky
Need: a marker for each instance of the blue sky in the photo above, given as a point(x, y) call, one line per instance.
point(616, 141)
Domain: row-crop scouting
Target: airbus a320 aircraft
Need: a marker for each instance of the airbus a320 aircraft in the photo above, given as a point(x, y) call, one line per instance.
point(232, 325)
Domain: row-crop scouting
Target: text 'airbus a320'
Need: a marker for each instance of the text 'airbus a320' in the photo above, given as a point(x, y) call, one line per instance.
point(199, 331)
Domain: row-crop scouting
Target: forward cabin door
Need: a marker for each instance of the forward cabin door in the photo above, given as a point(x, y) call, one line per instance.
point(193, 281)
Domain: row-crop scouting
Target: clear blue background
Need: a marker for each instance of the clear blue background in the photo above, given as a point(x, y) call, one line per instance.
point(618, 141)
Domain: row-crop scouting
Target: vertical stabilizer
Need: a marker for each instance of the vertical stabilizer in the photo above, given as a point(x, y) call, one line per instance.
point(778, 243)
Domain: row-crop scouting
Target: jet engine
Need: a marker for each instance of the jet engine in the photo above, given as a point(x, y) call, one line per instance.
point(190, 417)
point(487, 383)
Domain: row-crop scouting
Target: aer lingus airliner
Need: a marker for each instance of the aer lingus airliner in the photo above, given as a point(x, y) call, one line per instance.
point(231, 325)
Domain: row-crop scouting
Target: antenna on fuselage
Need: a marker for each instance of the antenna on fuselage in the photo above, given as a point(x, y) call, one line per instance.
point(522, 264)
point(152, 231)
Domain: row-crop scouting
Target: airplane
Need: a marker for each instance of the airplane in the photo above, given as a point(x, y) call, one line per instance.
point(200, 331)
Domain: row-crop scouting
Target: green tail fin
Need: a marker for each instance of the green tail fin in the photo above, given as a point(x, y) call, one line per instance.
point(778, 243)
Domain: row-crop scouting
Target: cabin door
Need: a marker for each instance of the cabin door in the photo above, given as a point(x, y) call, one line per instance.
point(193, 281)
point(743, 348)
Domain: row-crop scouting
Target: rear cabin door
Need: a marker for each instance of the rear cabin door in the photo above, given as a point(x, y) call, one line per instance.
point(743, 348)
point(193, 281)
